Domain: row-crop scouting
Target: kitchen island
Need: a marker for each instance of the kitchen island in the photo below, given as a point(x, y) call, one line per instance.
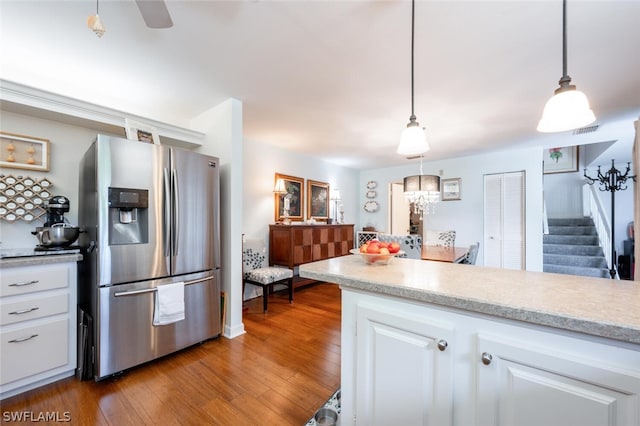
point(448, 344)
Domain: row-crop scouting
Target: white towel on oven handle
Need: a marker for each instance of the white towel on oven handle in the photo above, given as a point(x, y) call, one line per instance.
point(169, 304)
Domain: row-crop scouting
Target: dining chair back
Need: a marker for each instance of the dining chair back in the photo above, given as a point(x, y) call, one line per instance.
point(256, 271)
point(472, 254)
point(441, 238)
point(411, 245)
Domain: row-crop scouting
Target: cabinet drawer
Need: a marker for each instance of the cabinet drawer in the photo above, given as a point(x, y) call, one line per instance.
point(32, 308)
point(34, 278)
point(34, 349)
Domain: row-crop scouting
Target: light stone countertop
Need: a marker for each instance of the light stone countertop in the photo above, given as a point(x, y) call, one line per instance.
point(28, 257)
point(595, 306)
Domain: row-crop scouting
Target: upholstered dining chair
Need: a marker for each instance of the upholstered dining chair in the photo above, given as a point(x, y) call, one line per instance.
point(256, 272)
point(441, 238)
point(472, 254)
point(411, 245)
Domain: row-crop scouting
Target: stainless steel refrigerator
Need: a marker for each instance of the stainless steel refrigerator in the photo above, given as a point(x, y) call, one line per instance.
point(151, 216)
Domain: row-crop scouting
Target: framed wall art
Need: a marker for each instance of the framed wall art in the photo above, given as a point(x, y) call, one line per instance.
point(561, 160)
point(24, 152)
point(294, 187)
point(317, 200)
point(141, 132)
point(451, 189)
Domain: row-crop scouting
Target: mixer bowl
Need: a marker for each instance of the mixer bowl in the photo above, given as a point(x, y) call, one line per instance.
point(58, 235)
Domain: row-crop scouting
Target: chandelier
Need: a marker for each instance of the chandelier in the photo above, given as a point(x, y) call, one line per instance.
point(423, 191)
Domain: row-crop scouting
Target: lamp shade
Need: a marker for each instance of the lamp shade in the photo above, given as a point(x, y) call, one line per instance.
point(279, 188)
point(422, 183)
point(566, 110)
point(335, 194)
point(413, 141)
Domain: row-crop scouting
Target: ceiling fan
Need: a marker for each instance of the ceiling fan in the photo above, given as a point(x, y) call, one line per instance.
point(154, 13)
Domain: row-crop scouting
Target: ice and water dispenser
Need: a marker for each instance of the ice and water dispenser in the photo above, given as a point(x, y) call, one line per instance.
point(128, 216)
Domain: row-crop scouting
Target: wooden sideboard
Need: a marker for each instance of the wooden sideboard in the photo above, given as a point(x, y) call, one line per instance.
point(293, 245)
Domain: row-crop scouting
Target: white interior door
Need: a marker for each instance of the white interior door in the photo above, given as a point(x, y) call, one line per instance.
point(504, 235)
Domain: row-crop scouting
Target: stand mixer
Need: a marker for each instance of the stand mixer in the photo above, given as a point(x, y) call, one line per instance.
point(56, 234)
point(56, 207)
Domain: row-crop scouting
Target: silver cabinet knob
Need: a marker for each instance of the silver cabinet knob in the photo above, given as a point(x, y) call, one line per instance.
point(486, 358)
point(442, 345)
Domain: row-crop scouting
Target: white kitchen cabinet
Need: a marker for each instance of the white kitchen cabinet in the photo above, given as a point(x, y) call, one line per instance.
point(37, 325)
point(540, 382)
point(402, 351)
point(394, 373)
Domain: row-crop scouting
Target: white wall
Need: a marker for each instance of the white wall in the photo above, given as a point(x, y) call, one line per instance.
point(563, 194)
point(222, 125)
point(465, 215)
point(262, 162)
point(67, 144)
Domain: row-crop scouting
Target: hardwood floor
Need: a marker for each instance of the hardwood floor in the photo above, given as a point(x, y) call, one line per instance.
point(284, 368)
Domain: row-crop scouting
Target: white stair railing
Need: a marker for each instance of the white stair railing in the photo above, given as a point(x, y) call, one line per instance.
point(592, 207)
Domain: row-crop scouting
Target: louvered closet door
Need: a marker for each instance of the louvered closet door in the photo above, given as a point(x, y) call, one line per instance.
point(504, 214)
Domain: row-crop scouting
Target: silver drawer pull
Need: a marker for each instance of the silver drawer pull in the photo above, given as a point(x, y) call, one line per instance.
point(23, 339)
point(24, 311)
point(486, 358)
point(24, 283)
point(442, 345)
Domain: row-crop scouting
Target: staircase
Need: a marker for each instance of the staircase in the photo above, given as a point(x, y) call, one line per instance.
point(572, 247)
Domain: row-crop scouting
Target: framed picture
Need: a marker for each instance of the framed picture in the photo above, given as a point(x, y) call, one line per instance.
point(451, 189)
point(561, 160)
point(141, 132)
point(24, 152)
point(294, 187)
point(317, 200)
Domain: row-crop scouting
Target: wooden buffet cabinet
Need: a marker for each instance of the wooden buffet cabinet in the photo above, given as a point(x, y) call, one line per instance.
point(293, 245)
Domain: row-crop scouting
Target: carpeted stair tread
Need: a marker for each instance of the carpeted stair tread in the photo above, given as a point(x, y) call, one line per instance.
point(581, 221)
point(572, 230)
point(577, 270)
point(588, 240)
point(572, 247)
point(575, 260)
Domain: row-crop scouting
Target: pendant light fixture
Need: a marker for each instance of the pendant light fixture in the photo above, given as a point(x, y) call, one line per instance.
point(95, 23)
point(420, 190)
point(568, 108)
point(413, 140)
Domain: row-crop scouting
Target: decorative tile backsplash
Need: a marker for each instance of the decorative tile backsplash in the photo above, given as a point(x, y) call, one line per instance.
point(23, 197)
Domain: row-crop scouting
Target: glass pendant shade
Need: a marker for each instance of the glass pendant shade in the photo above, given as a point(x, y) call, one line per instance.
point(422, 191)
point(95, 24)
point(568, 109)
point(413, 141)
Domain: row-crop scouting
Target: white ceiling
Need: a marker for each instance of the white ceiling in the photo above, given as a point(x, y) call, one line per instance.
point(332, 78)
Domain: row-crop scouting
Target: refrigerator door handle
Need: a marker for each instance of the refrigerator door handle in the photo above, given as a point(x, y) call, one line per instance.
point(151, 290)
point(176, 211)
point(166, 205)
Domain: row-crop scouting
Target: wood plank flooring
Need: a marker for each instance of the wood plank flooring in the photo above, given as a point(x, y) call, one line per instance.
point(284, 368)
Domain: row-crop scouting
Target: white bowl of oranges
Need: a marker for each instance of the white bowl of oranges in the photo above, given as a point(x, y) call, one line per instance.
point(377, 252)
